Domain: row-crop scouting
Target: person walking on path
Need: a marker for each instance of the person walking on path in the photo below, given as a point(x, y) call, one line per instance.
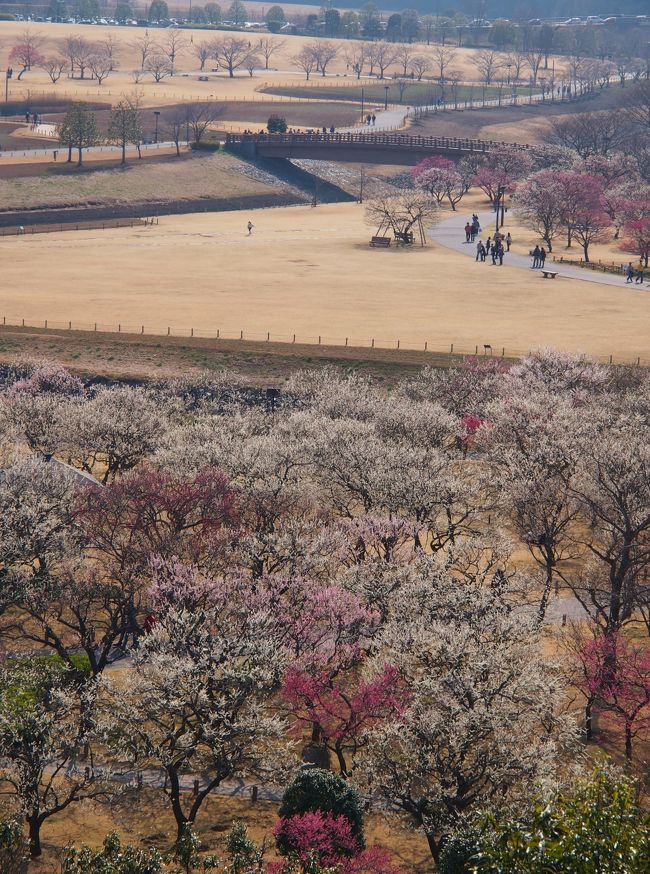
point(468, 232)
point(535, 254)
point(500, 251)
point(250, 227)
point(639, 276)
point(488, 245)
point(508, 241)
point(479, 248)
point(629, 272)
point(542, 256)
point(374, 119)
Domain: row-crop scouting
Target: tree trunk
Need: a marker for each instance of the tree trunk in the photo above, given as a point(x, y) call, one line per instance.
point(80, 161)
point(628, 741)
point(434, 847)
point(34, 823)
point(178, 149)
point(69, 154)
point(175, 798)
point(589, 727)
point(340, 757)
point(123, 152)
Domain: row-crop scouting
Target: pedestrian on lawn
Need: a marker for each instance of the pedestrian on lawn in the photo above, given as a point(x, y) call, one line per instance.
point(508, 241)
point(535, 254)
point(250, 227)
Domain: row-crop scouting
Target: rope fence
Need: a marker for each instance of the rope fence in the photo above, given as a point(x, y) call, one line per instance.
point(435, 348)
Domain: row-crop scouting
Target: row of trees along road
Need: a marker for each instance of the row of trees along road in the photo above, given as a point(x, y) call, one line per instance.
point(343, 572)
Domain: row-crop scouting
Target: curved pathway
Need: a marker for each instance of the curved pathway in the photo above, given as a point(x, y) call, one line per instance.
point(450, 233)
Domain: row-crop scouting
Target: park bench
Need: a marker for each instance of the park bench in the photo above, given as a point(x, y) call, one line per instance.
point(549, 274)
point(382, 242)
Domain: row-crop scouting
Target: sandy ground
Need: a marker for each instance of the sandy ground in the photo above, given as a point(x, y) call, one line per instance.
point(309, 272)
point(146, 822)
point(172, 90)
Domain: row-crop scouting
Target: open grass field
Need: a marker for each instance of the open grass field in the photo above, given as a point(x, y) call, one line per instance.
point(307, 272)
point(186, 85)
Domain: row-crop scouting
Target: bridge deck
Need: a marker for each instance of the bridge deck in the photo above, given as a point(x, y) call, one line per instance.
point(379, 148)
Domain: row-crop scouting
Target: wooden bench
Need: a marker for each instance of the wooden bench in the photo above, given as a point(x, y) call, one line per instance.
point(549, 274)
point(382, 242)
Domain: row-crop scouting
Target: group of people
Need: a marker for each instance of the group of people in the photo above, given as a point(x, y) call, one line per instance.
point(539, 257)
point(371, 119)
point(494, 247)
point(472, 229)
point(634, 273)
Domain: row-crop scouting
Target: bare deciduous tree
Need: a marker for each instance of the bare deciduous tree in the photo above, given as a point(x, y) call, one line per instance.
point(100, 66)
point(203, 50)
point(231, 52)
point(268, 46)
point(54, 67)
point(443, 58)
point(402, 212)
point(174, 43)
point(487, 63)
point(383, 55)
point(158, 66)
point(305, 61)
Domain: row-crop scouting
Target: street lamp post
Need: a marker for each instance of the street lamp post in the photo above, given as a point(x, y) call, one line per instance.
point(9, 73)
point(509, 66)
point(500, 195)
point(542, 79)
point(362, 105)
point(386, 87)
point(156, 112)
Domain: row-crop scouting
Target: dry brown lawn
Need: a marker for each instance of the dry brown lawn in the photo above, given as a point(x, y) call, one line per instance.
point(185, 85)
point(309, 272)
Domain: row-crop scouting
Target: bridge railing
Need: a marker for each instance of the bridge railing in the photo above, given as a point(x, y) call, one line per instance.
point(460, 144)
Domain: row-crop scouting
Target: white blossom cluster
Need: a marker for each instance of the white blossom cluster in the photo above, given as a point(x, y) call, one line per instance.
point(213, 544)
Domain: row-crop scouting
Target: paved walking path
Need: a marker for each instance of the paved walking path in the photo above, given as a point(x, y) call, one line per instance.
point(451, 234)
point(396, 117)
point(46, 151)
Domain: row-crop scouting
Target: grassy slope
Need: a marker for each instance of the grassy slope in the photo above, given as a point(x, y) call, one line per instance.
point(191, 177)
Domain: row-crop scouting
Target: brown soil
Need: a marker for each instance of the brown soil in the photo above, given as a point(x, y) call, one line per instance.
point(146, 821)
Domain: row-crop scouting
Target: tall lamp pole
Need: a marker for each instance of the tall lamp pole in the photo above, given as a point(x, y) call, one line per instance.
point(156, 112)
point(499, 205)
point(362, 104)
point(9, 73)
point(386, 87)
